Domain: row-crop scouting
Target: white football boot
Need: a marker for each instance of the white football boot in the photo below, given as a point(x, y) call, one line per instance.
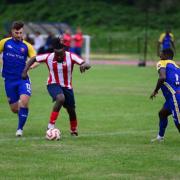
point(19, 132)
point(50, 126)
point(158, 139)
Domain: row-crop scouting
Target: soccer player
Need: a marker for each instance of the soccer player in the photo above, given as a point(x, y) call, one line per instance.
point(15, 52)
point(169, 82)
point(78, 41)
point(59, 84)
point(67, 39)
point(166, 41)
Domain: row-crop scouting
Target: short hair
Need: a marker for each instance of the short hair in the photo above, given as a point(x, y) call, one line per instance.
point(168, 52)
point(17, 25)
point(56, 44)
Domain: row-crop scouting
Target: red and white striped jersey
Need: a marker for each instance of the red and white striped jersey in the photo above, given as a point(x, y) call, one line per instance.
point(60, 73)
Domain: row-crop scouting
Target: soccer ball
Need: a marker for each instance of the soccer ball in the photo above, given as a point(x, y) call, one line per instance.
point(53, 134)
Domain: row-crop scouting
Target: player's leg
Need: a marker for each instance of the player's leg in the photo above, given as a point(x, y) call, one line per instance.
point(73, 121)
point(163, 121)
point(69, 104)
point(56, 92)
point(175, 105)
point(14, 107)
point(24, 93)
point(11, 89)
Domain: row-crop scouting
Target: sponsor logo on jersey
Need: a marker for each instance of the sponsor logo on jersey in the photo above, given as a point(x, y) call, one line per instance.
point(22, 50)
point(64, 63)
point(9, 46)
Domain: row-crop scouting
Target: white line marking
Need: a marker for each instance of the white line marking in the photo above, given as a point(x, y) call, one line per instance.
point(93, 134)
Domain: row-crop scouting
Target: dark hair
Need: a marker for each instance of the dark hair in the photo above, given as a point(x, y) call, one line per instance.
point(17, 25)
point(56, 44)
point(168, 52)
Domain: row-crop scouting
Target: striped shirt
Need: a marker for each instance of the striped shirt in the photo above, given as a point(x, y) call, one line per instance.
point(60, 73)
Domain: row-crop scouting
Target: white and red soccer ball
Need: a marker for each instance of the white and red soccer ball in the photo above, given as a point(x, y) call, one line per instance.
point(53, 134)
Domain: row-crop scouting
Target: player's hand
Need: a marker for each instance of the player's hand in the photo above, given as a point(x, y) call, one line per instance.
point(153, 95)
point(84, 67)
point(34, 65)
point(24, 75)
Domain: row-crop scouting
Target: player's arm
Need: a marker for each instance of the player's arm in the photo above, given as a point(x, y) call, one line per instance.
point(160, 81)
point(31, 54)
point(27, 67)
point(84, 66)
point(36, 59)
point(173, 45)
point(34, 65)
point(78, 60)
point(159, 43)
point(2, 42)
point(172, 42)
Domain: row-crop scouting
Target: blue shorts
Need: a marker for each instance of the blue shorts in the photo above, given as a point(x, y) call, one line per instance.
point(173, 105)
point(77, 50)
point(55, 89)
point(15, 88)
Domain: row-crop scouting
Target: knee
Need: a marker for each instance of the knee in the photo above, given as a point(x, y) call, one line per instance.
point(24, 100)
point(23, 103)
point(162, 115)
point(14, 110)
point(60, 99)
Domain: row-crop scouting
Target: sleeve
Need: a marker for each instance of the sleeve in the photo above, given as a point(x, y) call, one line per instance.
point(76, 59)
point(161, 64)
point(172, 37)
point(31, 50)
point(2, 42)
point(42, 57)
point(161, 37)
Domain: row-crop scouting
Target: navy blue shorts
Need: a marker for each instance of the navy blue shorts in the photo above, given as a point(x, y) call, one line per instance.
point(55, 89)
point(15, 88)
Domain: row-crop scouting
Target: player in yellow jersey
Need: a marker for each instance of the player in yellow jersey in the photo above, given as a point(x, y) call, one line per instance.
point(169, 83)
point(15, 52)
point(166, 41)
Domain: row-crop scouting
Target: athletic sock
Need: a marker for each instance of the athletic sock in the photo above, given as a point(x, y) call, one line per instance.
point(162, 126)
point(22, 114)
point(73, 124)
point(53, 117)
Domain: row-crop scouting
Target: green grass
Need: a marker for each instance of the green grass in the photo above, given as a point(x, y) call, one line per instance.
point(103, 56)
point(116, 122)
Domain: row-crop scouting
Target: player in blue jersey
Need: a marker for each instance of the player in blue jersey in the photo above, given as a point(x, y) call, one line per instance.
point(166, 41)
point(169, 83)
point(15, 53)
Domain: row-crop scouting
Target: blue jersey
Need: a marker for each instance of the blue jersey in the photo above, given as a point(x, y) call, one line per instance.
point(171, 88)
point(15, 54)
point(166, 40)
point(172, 82)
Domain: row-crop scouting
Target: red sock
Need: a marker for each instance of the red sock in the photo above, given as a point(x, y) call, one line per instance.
point(53, 117)
point(73, 124)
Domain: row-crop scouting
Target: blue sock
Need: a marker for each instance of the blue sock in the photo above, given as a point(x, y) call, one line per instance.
point(22, 114)
point(162, 126)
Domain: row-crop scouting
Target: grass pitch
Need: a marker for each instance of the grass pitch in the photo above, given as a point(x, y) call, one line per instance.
point(116, 122)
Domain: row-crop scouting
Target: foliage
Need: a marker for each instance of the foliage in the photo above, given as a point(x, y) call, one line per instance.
point(122, 22)
point(99, 14)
